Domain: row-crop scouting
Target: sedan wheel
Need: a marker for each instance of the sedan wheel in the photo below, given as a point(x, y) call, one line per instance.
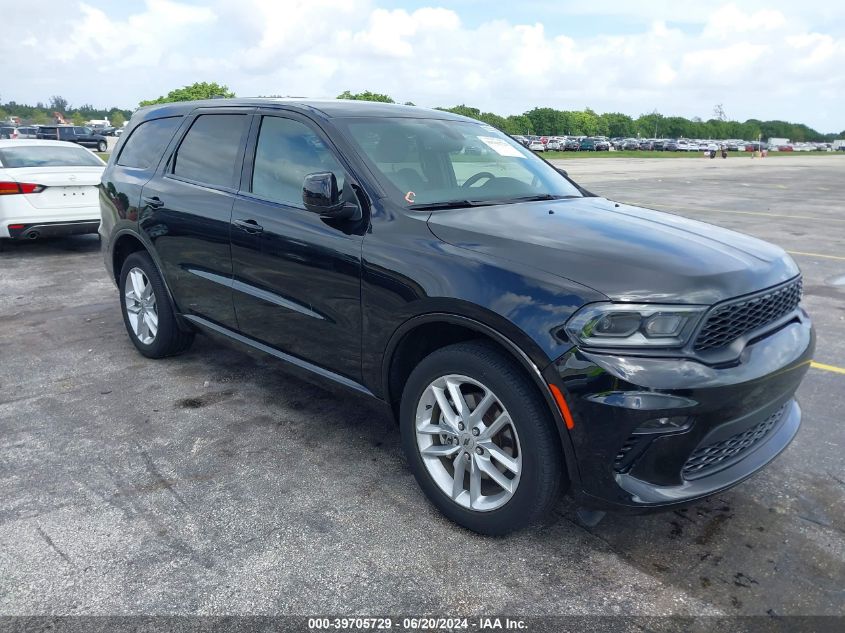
point(468, 442)
point(141, 309)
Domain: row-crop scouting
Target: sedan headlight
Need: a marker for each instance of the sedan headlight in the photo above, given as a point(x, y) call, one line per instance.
point(633, 325)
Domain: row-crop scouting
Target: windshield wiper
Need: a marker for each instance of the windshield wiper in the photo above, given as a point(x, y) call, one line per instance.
point(450, 204)
point(540, 196)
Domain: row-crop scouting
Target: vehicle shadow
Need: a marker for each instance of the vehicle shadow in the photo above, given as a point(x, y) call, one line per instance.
point(46, 247)
point(739, 552)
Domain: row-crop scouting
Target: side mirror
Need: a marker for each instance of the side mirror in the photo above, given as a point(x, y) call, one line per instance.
point(562, 171)
point(320, 194)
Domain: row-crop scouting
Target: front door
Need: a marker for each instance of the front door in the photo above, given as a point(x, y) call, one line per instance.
point(296, 276)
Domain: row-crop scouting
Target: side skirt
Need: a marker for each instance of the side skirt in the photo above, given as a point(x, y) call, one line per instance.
point(293, 360)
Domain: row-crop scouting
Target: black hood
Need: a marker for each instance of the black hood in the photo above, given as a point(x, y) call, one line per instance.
point(627, 253)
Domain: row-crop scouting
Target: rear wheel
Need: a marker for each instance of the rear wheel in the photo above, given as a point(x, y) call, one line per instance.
point(102, 146)
point(147, 313)
point(479, 439)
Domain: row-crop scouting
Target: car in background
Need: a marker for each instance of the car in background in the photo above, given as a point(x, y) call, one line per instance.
point(658, 144)
point(8, 132)
point(78, 134)
point(29, 131)
point(517, 137)
point(670, 145)
point(556, 144)
point(536, 146)
point(646, 145)
point(48, 189)
point(630, 144)
point(572, 144)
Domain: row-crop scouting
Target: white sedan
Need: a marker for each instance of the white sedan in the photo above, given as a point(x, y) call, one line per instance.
point(48, 188)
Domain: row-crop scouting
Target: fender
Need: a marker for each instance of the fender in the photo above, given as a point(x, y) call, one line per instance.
point(148, 247)
point(515, 351)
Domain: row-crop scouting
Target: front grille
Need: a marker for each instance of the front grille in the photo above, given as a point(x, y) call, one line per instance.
point(729, 321)
point(706, 459)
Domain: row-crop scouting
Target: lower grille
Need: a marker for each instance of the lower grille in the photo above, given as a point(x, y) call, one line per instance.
point(706, 459)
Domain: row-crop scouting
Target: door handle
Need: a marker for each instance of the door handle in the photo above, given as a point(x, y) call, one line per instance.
point(250, 226)
point(154, 202)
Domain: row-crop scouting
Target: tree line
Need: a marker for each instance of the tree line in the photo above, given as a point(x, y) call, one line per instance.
point(552, 122)
point(42, 114)
point(542, 121)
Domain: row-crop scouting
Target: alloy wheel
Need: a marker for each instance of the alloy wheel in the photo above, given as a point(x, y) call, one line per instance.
point(141, 306)
point(468, 442)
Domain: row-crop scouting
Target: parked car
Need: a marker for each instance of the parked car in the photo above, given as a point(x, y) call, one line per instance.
point(572, 145)
point(670, 146)
point(537, 146)
point(631, 144)
point(528, 335)
point(29, 131)
point(556, 144)
point(47, 188)
point(658, 145)
point(80, 135)
point(8, 132)
point(646, 145)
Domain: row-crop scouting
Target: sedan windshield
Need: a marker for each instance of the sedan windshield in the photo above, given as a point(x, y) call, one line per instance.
point(48, 156)
point(447, 164)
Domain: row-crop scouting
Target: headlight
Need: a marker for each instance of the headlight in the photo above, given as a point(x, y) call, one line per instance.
point(633, 325)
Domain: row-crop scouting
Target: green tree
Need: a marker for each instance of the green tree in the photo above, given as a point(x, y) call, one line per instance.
point(59, 103)
point(40, 117)
point(365, 96)
point(77, 118)
point(199, 90)
point(117, 119)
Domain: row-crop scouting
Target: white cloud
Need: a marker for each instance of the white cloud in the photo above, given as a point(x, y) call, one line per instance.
point(761, 58)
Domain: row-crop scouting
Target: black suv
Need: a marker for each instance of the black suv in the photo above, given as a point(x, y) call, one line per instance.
point(529, 336)
point(81, 135)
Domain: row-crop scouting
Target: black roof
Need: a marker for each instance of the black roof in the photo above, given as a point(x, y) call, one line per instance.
point(328, 108)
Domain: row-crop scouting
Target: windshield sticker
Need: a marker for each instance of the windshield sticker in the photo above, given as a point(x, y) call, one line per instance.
point(502, 148)
point(410, 197)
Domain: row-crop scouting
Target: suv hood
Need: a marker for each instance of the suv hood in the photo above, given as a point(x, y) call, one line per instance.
point(627, 253)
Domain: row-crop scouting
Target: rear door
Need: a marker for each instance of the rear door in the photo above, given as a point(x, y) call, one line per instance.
point(186, 211)
point(297, 276)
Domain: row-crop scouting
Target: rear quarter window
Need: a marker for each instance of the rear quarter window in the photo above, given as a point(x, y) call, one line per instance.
point(147, 142)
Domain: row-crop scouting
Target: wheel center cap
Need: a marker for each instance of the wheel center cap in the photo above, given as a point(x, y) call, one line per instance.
point(467, 441)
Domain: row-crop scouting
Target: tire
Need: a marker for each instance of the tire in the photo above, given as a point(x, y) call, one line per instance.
point(529, 441)
point(168, 339)
point(102, 146)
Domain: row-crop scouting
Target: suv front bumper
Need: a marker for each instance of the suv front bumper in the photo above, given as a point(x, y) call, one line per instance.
point(652, 433)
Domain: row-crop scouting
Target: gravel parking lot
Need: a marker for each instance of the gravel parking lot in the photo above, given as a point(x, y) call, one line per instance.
point(214, 483)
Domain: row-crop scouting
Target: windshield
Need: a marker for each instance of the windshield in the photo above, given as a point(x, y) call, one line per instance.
point(47, 156)
point(430, 162)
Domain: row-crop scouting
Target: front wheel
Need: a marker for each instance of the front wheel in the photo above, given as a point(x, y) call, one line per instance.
point(102, 146)
point(479, 439)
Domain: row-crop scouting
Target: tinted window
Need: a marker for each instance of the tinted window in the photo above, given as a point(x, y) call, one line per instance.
point(146, 144)
point(209, 151)
point(286, 152)
point(47, 156)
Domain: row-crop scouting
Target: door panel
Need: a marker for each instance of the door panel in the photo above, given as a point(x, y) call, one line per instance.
point(186, 211)
point(297, 276)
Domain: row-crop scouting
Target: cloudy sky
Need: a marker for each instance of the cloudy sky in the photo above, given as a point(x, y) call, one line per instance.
point(772, 59)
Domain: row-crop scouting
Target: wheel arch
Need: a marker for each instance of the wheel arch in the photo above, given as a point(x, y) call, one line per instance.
point(127, 242)
point(402, 354)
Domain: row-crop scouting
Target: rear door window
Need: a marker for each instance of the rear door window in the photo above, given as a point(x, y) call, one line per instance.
point(147, 142)
point(210, 152)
